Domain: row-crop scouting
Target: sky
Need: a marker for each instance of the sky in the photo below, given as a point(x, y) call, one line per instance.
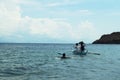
point(57, 21)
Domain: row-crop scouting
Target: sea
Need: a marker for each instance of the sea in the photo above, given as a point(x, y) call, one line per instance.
point(41, 61)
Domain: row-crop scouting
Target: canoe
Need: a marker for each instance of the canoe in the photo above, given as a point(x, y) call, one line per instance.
point(76, 52)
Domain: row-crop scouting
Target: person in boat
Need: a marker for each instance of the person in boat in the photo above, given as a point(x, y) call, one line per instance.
point(82, 46)
point(77, 47)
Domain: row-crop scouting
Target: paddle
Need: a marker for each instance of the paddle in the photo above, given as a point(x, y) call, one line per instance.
point(93, 53)
point(60, 53)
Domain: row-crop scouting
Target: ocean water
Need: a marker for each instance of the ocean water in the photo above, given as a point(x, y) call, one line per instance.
point(42, 62)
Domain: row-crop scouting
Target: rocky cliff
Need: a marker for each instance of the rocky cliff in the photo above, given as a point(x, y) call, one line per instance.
point(113, 38)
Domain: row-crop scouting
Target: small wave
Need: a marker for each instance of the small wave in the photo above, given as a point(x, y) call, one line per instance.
point(11, 72)
point(20, 68)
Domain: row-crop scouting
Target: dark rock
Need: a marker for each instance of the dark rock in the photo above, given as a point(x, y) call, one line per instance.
point(113, 38)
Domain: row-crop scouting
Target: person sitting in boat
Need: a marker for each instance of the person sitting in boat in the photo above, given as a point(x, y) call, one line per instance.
point(77, 47)
point(82, 46)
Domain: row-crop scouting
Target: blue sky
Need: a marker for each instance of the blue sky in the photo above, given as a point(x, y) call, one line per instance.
point(57, 21)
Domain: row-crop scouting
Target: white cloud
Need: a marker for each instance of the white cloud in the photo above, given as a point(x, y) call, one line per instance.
point(50, 27)
point(73, 13)
point(84, 12)
point(48, 4)
point(87, 29)
point(13, 24)
point(9, 17)
point(61, 3)
point(63, 30)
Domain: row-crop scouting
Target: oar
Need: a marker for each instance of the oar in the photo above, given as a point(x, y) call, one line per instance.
point(60, 53)
point(91, 52)
point(94, 53)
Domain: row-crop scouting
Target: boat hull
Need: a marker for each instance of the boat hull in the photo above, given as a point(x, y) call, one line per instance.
point(79, 52)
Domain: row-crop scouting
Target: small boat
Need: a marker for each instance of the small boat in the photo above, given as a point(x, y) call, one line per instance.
point(76, 52)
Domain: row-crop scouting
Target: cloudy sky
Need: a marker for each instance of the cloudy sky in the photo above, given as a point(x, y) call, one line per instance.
point(57, 21)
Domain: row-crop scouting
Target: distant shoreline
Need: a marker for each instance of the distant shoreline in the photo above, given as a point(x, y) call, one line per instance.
point(113, 38)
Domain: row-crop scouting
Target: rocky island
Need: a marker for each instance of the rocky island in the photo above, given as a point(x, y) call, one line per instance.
point(113, 38)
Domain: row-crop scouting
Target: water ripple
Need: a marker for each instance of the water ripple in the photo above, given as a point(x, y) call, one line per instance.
point(11, 72)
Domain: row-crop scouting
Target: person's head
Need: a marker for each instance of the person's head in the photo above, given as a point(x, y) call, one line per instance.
point(64, 55)
point(76, 44)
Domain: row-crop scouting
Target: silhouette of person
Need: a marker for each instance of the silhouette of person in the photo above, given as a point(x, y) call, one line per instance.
point(63, 56)
point(77, 46)
point(82, 46)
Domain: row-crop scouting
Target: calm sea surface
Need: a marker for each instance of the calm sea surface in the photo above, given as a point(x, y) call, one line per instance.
point(42, 62)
